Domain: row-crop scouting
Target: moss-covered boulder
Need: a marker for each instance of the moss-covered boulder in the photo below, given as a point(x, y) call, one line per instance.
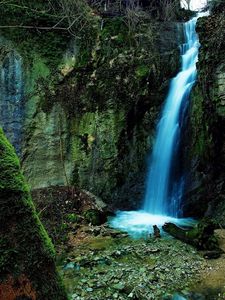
point(27, 267)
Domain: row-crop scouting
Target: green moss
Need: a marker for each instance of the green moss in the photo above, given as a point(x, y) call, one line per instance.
point(142, 71)
point(200, 130)
point(36, 74)
point(48, 44)
point(206, 238)
point(10, 175)
point(101, 243)
point(40, 69)
point(96, 146)
point(25, 247)
point(92, 216)
point(116, 32)
point(74, 218)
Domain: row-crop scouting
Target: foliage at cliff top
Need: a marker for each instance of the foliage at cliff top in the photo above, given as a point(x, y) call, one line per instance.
point(27, 255)
point(46, 27)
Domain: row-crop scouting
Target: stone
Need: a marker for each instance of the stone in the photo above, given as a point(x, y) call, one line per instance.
point(119, 286)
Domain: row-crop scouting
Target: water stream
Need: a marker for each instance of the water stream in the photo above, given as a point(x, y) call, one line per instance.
point(158, 201)
point(11, 98)
point(163, 193)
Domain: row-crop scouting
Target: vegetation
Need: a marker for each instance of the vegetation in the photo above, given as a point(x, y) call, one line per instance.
point(106, 66)
point(201, 236)
point(216, 5)
point(27, 254)
point(207, 112)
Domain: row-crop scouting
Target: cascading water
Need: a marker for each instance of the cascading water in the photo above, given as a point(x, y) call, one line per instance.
point(161, 202)
point(11, 98)
point(157, 199)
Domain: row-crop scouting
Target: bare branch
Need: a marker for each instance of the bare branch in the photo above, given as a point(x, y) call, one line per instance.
point(34, 27)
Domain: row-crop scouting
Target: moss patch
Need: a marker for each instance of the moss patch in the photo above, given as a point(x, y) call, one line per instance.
point(25, 246)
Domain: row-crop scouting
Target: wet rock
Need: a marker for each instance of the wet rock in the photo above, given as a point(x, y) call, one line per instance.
point(212, 254)
point(69, 266)
point(120, 286)
point(127, 269)
point(156, 231)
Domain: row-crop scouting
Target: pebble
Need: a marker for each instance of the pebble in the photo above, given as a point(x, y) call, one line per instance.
point(139, 270)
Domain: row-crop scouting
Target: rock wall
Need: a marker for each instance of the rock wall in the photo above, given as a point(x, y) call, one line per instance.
point(90, 116)
point(110, 128)
point(205, 194)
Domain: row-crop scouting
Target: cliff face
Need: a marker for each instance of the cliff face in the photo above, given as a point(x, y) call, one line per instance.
point(207, 147)
point(91, 111)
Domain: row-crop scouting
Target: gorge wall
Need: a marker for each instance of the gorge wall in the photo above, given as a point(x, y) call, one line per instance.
point(90, 110)
point(206, 192)
point(81, 107)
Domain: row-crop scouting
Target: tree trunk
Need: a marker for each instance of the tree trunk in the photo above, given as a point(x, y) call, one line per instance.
point(201, 236)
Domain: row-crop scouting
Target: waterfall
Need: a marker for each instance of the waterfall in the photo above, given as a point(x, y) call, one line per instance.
point(11, 98)
point(163, 191)
point(158, 200)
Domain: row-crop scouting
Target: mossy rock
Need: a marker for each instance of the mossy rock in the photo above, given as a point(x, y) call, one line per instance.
point(142, 71)
point(73, 218)
point(200, 236)
point(27, 256)
point(94, 217)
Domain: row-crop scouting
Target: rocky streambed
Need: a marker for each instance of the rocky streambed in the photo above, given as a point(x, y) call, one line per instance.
point(106, 264)
point(98, 262)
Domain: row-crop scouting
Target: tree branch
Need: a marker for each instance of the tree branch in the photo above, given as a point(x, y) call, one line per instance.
point(33, 27)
